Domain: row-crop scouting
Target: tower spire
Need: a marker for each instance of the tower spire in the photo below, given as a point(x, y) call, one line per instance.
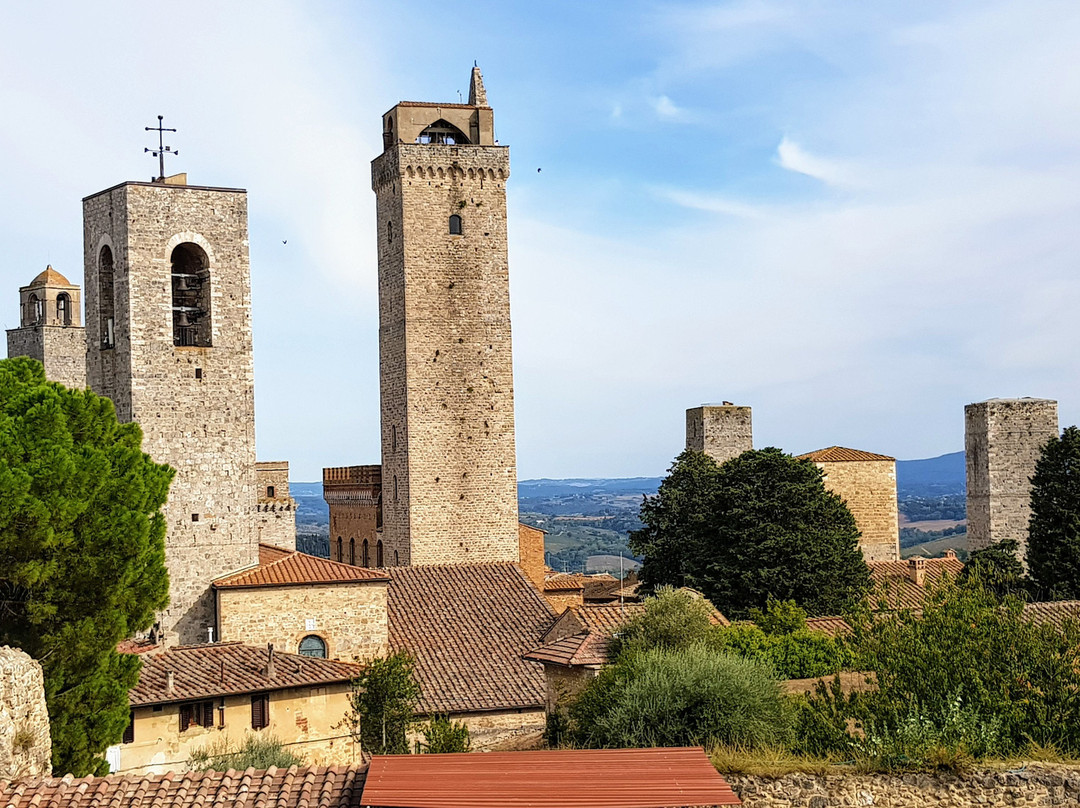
point(477, 94)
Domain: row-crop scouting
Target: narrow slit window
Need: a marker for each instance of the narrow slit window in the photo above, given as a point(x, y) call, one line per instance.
point(105, 297)
point(366, 562)
point(378, 554)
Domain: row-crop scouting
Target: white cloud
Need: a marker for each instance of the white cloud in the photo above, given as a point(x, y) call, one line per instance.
point(665, 108)
point(793, 157)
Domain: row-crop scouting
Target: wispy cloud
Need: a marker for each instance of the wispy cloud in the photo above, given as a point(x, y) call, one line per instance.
point(793, 157)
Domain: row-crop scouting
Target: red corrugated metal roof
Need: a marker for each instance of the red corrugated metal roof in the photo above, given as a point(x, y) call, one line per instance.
point(558, 778)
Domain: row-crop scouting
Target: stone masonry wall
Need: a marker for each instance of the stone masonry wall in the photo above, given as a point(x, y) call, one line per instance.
point(448, 456)
point(275, 521)
point(350, 617)
point(25, 744)
point(531, 549)
point(869, 489)
point(720, 432)
point(196, 405)
point(61, 349)
point(1003, 439)
point(1030, 786)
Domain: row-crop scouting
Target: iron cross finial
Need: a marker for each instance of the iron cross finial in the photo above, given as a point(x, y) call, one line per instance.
point(162, 149)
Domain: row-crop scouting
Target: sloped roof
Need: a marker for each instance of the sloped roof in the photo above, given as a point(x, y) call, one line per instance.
point(841, 454)
point(307, 787)
point(892, 580)
point(564, 582)
point(586, 648)
point(1053, 612)
point(224, 669)
point(278, 567)
point(49, 277)
point(549, 778)
point(831, 626)
point(468, 626)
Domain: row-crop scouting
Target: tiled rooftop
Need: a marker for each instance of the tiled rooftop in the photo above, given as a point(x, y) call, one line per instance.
point(224, 669)
point(840, 454)
point(1055, 613)
point(892, 579)
point(830, 626)
point(564, 582)
point(309, 787)
point(278, 567)
point(468, 626)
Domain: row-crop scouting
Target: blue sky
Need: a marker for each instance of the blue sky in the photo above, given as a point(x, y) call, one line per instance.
point(854, 217)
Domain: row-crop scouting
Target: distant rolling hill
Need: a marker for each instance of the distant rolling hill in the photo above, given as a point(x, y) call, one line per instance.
point(934, 476)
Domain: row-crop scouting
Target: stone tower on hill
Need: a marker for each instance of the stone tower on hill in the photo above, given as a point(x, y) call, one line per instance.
point(449, 480)
point(50, 328)
point(867, 484)
point(1003, 439)
point(721, 431)
point(169, 341)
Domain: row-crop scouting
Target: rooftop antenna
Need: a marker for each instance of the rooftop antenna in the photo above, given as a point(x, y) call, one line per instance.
point(162, 149)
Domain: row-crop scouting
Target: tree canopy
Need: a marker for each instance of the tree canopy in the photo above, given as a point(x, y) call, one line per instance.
point(1053, 552)
point(82, 553)
point(761, 525)
point(383, 704)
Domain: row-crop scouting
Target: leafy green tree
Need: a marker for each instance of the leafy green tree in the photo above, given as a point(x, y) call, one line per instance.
point(998, 569)
point(383, 704)
point(1053, 554)
point(687, 697)
point(761, 525)
point(673, 619)
point(82, 553)
point(779, 617)
point(441, 735)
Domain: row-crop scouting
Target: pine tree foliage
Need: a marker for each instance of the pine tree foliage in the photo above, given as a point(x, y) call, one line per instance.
point(761, 525)
point(1053, 554)
point(383, 704)
point(82, 553)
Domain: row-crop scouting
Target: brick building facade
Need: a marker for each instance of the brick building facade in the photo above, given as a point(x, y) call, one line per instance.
point(1003, 439)
point(50, 328)
point(168, 339)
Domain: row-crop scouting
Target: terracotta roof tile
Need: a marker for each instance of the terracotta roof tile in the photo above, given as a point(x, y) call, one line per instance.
point(308, 787)
point(278, 567)
point(50, 277)
point(468, 626)
point(830, 626)
point(222, 669)
point(1055, 612)
point(892, 579)
point(564, 582)
point(840, 454)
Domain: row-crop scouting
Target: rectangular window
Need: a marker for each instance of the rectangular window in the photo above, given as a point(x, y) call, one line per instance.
point(129, 733)
point(196, 714)
point(260, 710)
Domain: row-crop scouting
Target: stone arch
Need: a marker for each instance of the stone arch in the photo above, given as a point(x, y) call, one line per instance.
point(192, 312)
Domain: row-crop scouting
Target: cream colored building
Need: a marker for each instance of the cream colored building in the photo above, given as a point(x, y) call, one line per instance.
point(211, 696)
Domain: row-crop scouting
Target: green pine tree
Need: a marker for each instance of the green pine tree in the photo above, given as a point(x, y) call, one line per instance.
point(760, 526)
point(82, 553)
point(1053, 553)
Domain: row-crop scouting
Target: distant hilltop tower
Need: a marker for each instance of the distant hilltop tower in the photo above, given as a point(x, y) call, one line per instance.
point(169, 341)
point(449, 478)
point(50, 328)
point(1003, 440)
point(722, 431)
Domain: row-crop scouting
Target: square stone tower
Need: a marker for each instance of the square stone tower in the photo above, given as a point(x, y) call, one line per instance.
point(722, 431)
point(276, 522)
point(168, 339)
point(50, 328)
point(449, 477)
point(867, 484)
point(1003, 440)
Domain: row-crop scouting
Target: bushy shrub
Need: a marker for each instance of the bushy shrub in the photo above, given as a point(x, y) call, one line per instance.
point(441, 735)
point(801, 654)
point(256, 752)
point(673, 619)
point(687, 697)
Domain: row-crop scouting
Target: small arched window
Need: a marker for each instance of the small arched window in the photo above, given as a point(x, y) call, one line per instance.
point(35, 311)
point(340, 550)
point(105, 297)
point(313, 646)
point(455, 225)
point(378, 553)
point(366, 560)
point(395, 558)
point(352, 552)
point(269, 492)
point(390, 232)
point(191, 296)
point(442, 133)
point(393, 438)
point(63, 308)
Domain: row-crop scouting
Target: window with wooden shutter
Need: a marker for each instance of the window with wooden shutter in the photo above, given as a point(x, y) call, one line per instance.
point(260, 710)
point(196, 714)
point(129, 732)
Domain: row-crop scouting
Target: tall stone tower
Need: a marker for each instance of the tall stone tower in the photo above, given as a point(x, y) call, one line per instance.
point(721, 431)
point(1003, 439)
point(169, 341)
point(50, 328)
point(449, 481)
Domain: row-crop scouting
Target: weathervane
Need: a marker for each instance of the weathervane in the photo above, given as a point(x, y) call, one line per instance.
point(162, 149)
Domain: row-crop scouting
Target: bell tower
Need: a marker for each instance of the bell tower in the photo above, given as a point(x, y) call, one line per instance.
point(168, 339)
point(50, 328)
point(449, 473)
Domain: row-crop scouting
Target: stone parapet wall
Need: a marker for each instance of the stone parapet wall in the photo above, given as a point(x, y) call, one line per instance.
point(1030, 786)
point(25, 743)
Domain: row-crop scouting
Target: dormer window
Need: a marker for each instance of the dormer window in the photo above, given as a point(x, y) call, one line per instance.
point(442, 133)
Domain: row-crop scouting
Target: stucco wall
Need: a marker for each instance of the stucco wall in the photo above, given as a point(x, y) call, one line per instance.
point(350, 617)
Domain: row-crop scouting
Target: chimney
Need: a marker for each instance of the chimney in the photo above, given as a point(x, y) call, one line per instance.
point(917, 570)
point(270, 667)
point(210, 634)
point(170, 684)
point(950, 553)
